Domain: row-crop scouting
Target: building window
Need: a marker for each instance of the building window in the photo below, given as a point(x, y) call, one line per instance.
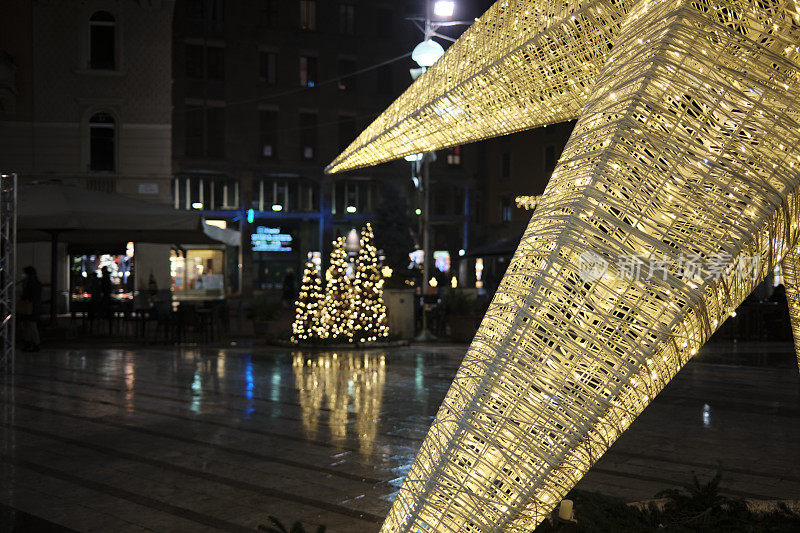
point(269, 132)
point(352, 196)
point(308, 71)
point(268, 14)
point(195, 132)
point(347, 19)
point(454, 156)
point(308, 135)
point(347, 82)
point(194, 62)
point(505, 165)
point(215, 126)
point(347, 132)
point(477, 202)
point(195, 10)
point(268, 67)
point(102, 129)
point(549, 158)
point(384, 22)
point(281, 195)
point(198, 273)
point(205, 62)
point(206, 15)
point(385, 80)
point(308, 15)
point(205, 131)
point(205, 192)
point(215, 58)
point(442, 199)
point(308, 197)
point(102, 41)
point(216, 12)
point(459, 202)
point(505, 208)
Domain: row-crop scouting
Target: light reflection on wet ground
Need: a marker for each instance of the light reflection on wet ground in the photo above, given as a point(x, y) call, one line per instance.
point(203, 439)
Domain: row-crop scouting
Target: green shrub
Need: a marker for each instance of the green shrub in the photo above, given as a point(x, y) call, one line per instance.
point(696, 507)
point(264, 309)
point(278, 527)
point(461, 303)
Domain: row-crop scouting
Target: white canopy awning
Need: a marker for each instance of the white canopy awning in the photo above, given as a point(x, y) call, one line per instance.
point(82, 216)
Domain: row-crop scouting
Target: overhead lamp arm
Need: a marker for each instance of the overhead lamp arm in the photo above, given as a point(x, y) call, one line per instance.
point(429, 27)
point(440, 36)
point(452, 23)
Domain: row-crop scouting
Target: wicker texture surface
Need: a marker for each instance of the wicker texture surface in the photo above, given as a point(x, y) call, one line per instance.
point(686, 152)
point(534, 61)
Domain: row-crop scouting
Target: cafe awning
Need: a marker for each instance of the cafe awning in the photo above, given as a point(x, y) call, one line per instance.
point(81, 216)
point(56, 212)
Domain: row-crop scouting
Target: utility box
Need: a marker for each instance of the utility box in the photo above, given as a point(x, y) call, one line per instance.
point(400, 312)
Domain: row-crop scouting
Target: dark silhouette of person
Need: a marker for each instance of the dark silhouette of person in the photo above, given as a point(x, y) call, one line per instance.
point(779, 295)
point(289, 289)
point(31, 305)
point(105, 297)
point(105, 284)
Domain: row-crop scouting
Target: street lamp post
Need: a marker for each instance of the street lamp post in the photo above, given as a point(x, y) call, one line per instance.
point(425, 182)
point(426, 54)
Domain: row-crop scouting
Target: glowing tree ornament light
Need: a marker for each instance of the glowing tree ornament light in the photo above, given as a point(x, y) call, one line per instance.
point(369, 312)
point(308, 307)
point(337, 310)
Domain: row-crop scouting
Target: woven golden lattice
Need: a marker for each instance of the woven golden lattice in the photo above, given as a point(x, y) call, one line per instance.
point(676, 194)
point(523, 64)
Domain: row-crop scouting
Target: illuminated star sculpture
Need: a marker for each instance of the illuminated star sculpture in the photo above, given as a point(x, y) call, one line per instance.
point(677, 193)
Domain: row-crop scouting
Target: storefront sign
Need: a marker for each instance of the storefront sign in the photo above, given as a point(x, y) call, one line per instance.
point(148, 188)
point(441, 259)
point(271, 240)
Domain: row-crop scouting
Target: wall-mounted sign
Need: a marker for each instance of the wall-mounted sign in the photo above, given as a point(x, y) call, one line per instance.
point(270, 240)
point(148, 188)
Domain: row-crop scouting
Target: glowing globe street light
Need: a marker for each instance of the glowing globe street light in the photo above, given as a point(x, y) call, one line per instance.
point(427, 53)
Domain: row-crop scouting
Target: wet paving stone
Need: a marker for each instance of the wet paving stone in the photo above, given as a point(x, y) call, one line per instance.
point(202, 439)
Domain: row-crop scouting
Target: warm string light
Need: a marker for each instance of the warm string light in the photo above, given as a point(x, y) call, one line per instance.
point(337, 309)
point(528, 203)
point(350, 311)
point(369, 320)
point(306, 324)
point(687, 143)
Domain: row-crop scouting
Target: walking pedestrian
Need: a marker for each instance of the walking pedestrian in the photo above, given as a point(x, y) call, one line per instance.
point(29, 309)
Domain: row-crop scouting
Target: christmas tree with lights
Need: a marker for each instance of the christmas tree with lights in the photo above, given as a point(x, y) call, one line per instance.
point(336, 315)
point(369, 320)
point(306, 326)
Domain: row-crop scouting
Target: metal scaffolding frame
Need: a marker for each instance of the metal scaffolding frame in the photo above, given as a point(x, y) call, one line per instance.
point(8, 234)
point(8, 241)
